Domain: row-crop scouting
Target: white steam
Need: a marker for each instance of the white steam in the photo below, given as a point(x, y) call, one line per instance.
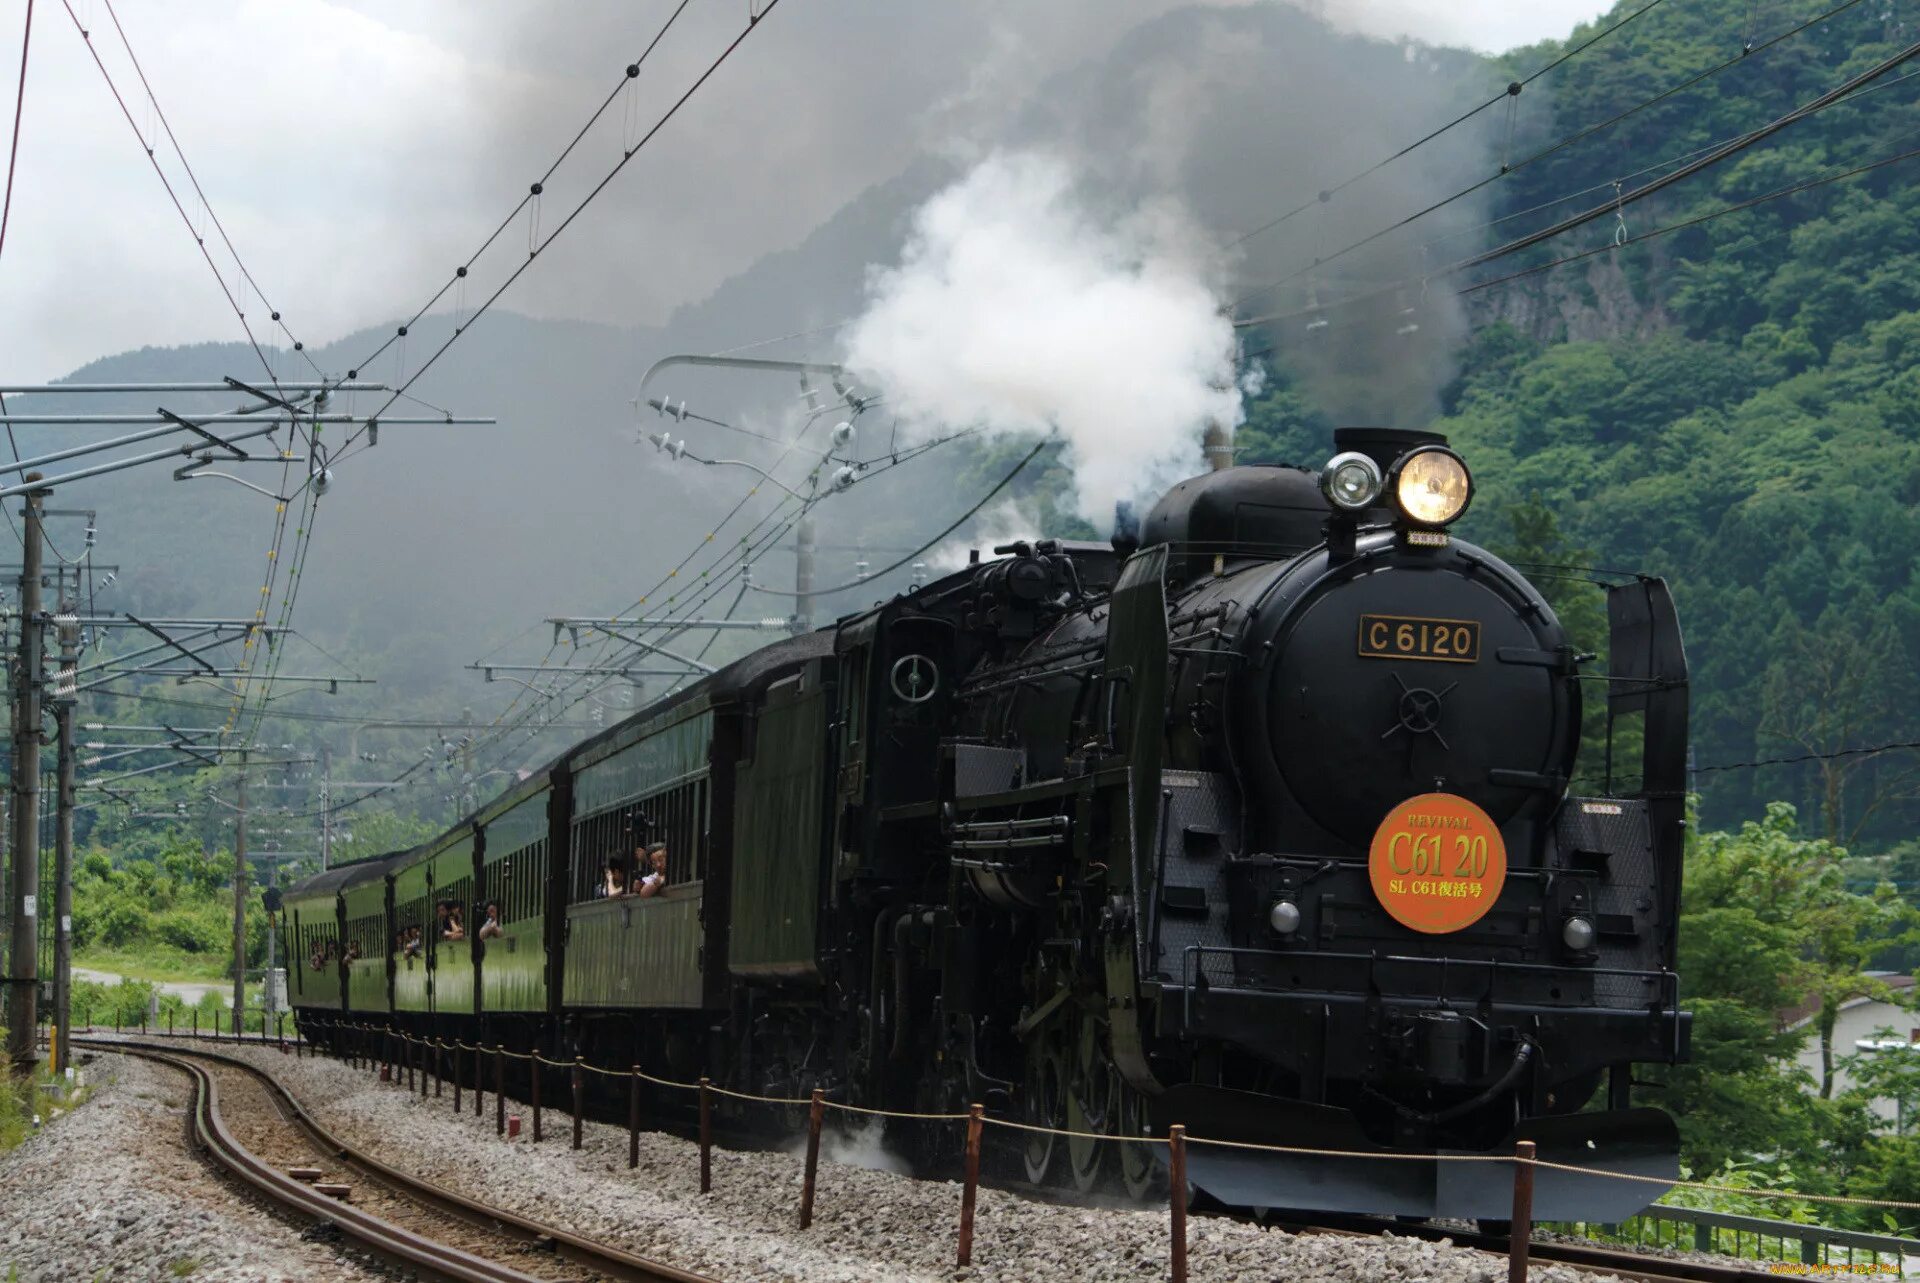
point(1015, 309)
point(998, 525)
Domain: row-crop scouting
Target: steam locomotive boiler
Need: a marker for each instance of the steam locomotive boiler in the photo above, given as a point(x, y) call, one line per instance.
point(1260, 820)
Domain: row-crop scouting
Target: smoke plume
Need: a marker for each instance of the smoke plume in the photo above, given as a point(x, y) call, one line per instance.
point(1017, 309)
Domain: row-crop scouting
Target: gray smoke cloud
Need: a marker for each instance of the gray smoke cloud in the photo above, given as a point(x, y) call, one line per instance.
point(839, 169)
point(1018, 309)
point(838, 121)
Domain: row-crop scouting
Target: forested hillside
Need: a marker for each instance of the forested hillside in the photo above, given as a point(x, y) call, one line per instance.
point(1734, 405)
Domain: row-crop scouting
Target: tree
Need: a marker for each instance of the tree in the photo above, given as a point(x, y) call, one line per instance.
point(1830, 694)
point(1890, 1072)
point(1807, 929)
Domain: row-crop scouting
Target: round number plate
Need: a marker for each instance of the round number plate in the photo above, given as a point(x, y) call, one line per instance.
point(1437, 863)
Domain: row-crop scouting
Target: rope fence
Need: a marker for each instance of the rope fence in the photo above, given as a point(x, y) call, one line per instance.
point(375, 1048)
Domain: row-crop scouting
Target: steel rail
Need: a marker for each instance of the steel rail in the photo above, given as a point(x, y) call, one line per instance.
point(209, 1134)
point(601, 1257)
point(1623, 1262)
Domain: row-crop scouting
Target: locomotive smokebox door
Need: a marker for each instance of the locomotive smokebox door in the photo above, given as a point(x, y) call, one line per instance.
point(1405, 672)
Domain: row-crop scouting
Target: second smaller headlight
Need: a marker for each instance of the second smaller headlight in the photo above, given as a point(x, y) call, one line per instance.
point(1351, 481)
point(1577, 934)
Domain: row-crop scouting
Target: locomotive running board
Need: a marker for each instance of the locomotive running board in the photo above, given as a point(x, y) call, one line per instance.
point(1637, 1142)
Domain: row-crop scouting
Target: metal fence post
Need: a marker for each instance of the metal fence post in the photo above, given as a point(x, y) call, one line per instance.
point(633, 1118)
point(971, 1188)
point(1177, 1180)
point(1520, 1238)
point(533, 1070)
point(456, 1078)
point(816, 1109)
point(499, 1091)
point(478, 1090)
point(706, 1135)
point(579, 1097)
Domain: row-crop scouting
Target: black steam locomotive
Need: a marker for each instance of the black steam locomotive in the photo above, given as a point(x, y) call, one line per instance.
point(1258, 821)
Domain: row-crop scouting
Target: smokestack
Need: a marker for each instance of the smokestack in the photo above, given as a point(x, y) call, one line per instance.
point(1126, 528)
point(1217, 445)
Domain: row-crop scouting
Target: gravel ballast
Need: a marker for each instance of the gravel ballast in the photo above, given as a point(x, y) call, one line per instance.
point(111, 1190)
point(868, 1224)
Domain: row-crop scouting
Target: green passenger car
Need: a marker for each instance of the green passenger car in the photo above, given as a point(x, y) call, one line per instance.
point(365, 932)
point(514, 875)
point(646, 782)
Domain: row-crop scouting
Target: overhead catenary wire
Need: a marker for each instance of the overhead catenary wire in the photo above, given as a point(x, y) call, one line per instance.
point(536, 249)
point(6, 210)
point(1607, 208)
point(631, 73)
point(1322, 261)
point(213, 217)
point(1678, 159)
point(19, 107)
point(1511, 91)
point(961, 520)
point(1778, 194)
point(172, 195)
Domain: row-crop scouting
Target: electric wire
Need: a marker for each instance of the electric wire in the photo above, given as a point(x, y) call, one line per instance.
point(631, 73)
point(964, 517)
point(1609, 183)
point(1829, 99)
point(541, 245)
point(19, 106)
point(1792, 189)
point(240, 264)
point(6, 210)
point(1322, 261)
point(1512, 91)
point(206, 254)
point(1795, 759)
point(172, 195)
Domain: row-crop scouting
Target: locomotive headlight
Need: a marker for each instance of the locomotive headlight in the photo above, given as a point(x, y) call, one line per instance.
point(1431, 486)
point(1351, 481)
point(1577, 934)
point(1284, 917)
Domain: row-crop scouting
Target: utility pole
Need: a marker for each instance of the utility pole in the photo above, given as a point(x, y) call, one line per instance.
point(65, 685)
point(240, 899)
point(326, 809)
point(803, 575)
point(23, 967)
point(466, 763)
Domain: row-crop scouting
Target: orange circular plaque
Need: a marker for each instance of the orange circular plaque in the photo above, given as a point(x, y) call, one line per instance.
point(1437, 863)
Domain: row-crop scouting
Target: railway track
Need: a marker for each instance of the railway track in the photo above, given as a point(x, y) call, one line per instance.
point(1625, 1264)
point(256, 1129)
point(253, 1129)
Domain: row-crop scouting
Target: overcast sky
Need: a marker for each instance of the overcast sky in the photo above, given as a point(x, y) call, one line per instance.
point(356, 150)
